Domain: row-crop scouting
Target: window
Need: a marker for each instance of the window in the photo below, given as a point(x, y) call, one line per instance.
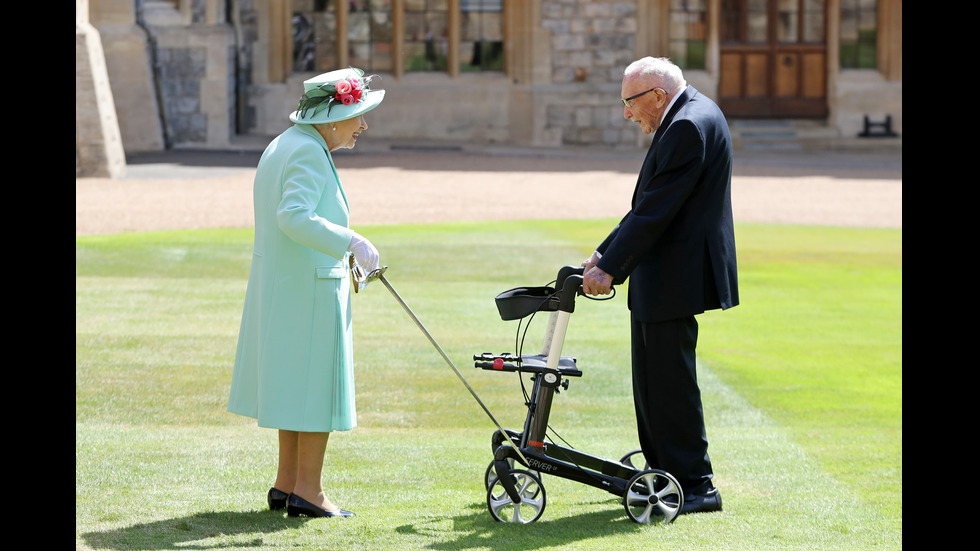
point(859, 34)
point(814, 18)
point(800, 21)
point(426, 35)
point(757, 29)
point(386, 36)
point(688, 33)
point(481, 35)
point(369, 34)
point(314, 29)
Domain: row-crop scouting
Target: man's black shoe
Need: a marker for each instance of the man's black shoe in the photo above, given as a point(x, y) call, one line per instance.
point(707, 502)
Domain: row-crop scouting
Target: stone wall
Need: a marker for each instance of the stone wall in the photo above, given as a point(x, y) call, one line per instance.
point(591, 44)
point(194, 67)
point(860, 93)
point(180, 70)
point(591, 41)
point(98, 144)
point(193, 75)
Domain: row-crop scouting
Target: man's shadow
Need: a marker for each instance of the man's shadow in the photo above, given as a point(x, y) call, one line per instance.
point(191, 532)
point(476, 528)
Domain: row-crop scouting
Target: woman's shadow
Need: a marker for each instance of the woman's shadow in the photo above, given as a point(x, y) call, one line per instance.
point(192, 532)
point(473, 528)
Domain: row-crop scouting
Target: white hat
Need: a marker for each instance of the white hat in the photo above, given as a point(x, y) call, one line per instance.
point(336, 96)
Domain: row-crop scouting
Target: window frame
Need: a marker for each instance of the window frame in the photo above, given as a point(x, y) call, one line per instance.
point(678, 34)
point(398, 52)
point(857, 53)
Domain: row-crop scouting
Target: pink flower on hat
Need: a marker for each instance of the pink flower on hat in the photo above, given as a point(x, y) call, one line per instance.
point(348, 91)
point(343, 87)
point(344, 92)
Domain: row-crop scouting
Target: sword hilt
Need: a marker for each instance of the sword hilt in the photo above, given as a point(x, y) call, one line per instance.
point(360, 277)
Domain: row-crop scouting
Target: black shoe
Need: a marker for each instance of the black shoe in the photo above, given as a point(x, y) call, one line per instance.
point(277, 499)
point(296, 506)
point(707, 502)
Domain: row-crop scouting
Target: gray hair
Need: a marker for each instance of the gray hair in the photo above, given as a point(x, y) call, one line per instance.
point(658, 70)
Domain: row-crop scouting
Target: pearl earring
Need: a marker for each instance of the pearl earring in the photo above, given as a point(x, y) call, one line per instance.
point(334, 128)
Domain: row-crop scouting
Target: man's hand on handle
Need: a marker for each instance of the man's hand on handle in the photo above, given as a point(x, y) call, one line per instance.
point(595, 280)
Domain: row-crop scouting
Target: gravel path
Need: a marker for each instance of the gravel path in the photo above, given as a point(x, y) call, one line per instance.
point(389, 185)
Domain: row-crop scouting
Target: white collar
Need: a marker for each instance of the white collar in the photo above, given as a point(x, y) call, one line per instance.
point(671, 104)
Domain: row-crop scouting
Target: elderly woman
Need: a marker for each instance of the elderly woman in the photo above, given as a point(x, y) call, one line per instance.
point(293, 366)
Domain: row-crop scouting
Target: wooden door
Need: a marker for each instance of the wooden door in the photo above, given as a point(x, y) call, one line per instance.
point(773, 59)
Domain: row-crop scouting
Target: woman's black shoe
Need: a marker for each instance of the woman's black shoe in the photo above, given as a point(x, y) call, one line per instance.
point(296, 506)
point(277, 499)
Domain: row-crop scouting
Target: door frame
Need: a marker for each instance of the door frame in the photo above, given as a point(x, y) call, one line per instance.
point(772, 79)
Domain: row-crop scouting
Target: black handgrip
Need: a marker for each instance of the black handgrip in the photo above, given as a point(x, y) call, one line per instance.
point(571, 287)
point(565, 272)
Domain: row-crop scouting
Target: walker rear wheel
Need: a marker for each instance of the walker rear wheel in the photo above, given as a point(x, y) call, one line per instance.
point(653, 493)
point(635, 460)
point(502, 507)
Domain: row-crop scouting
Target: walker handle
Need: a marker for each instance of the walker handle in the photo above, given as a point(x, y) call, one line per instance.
point(570, 285)
point(565, 272)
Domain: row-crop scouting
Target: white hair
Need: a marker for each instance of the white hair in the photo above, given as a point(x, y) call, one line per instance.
point(657, 70)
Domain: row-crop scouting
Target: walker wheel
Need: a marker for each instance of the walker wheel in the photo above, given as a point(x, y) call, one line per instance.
point(635, 460)
point(532, 494)
point(491, 473)
point(653, 493)
point(490, 476)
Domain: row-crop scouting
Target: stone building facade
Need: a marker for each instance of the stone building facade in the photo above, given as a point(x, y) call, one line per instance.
point(209, 73)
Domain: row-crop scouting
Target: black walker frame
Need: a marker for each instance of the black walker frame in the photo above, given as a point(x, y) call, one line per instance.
point(517, 495)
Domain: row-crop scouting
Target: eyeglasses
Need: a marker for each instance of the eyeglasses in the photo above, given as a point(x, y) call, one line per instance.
point(627, 101)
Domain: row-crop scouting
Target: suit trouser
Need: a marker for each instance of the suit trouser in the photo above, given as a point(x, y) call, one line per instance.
point(667, 399)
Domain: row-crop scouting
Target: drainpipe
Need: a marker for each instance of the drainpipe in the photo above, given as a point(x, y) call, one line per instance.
point(155, 71)
point(234, 16)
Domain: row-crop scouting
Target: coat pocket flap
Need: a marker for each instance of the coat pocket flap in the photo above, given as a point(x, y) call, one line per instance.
point(331, 272)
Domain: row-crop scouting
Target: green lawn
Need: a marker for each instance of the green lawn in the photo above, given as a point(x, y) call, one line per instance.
point(802, 388)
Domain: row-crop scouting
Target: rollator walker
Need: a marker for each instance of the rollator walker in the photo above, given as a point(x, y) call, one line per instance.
point(513, 479)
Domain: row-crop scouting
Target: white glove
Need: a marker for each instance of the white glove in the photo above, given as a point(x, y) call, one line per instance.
point(364, 253)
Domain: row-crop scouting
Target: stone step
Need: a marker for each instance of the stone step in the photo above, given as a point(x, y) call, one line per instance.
point(161, 13)
point(796, 134)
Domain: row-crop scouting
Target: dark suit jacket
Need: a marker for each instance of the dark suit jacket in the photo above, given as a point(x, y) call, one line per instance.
point(677, 243)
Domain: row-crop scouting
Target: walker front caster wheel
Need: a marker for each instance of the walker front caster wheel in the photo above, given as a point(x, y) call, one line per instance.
point(653, 493)
point(502, 507)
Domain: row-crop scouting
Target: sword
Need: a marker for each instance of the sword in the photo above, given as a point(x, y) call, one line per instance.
point(361, 280)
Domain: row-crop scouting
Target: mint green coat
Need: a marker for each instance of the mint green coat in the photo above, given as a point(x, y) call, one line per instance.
point(294, 365)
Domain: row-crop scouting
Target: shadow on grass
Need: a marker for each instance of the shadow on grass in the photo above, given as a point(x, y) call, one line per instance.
point(193, 532)
point(476, 529)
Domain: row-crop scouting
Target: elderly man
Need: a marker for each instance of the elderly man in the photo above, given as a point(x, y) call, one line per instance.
point(677, 246)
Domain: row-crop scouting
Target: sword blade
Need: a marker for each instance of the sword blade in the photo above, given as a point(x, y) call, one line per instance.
point(425, 331)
